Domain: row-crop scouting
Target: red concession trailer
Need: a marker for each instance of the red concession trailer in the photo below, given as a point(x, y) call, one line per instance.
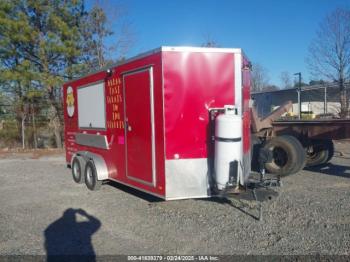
point(147, 122)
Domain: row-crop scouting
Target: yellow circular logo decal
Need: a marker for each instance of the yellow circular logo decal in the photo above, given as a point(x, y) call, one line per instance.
point(70, 101)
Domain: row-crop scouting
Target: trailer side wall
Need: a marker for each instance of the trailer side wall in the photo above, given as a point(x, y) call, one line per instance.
point(194, 82)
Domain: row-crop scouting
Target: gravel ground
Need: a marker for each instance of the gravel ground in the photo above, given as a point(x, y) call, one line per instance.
point(311, 215)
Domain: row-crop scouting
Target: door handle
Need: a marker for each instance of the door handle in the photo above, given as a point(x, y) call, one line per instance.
point(127, 126)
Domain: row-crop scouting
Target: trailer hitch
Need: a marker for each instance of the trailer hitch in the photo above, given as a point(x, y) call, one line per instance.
point(258, 190)
point(266, 156)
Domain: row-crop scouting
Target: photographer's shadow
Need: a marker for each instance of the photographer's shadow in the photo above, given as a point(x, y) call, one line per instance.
point(69, 238)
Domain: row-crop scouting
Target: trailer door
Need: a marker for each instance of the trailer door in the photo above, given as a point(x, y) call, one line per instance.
point(139, 128)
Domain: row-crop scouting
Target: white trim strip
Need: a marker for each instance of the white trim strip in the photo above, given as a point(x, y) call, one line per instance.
point(238, 82)
point(200, 49)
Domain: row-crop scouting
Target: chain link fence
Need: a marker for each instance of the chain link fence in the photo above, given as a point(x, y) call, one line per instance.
point(319, 101)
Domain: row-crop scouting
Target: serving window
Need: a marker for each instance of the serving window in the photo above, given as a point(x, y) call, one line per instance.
point(91, 106)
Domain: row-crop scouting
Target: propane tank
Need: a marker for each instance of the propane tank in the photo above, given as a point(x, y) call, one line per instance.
point(228, 148)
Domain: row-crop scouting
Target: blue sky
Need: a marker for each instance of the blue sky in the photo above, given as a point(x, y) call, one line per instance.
point(274, 33)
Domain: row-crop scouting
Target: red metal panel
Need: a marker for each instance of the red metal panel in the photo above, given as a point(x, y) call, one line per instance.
point(137, 87)
point(115, 155)
point(193, 83)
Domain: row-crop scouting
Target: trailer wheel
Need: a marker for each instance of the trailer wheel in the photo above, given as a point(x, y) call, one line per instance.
point(288, 155)
point(90, 174)
point(320, 152)
point(77, 173)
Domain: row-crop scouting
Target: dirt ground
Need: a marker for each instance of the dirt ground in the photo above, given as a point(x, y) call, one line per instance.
point(44, 211)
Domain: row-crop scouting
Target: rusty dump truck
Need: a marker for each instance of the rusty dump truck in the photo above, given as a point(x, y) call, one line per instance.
point(294, 143)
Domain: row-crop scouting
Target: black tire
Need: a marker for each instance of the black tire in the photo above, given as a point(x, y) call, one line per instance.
point(288, 155)
point(301, 154)
point(330, 148)
point(90, 175)
point(321, 151)
point(77, 173)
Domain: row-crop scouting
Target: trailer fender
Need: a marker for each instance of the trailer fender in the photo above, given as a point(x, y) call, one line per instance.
point(100, 164)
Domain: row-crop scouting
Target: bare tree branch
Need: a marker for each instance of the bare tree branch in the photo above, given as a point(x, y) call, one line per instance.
point(286, 79)
point(329, 52)
point(259, 77)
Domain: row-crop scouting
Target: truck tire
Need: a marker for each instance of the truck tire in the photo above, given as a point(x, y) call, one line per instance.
point(330, 149)
point(288, 155)
point(321, 152)
point(90, 174)
point(77, 173)
point(301, 154)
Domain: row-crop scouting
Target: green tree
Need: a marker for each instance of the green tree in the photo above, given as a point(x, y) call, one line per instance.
point(102, 46)
point(96, 31)
point(43, 43)
point(40, 43)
